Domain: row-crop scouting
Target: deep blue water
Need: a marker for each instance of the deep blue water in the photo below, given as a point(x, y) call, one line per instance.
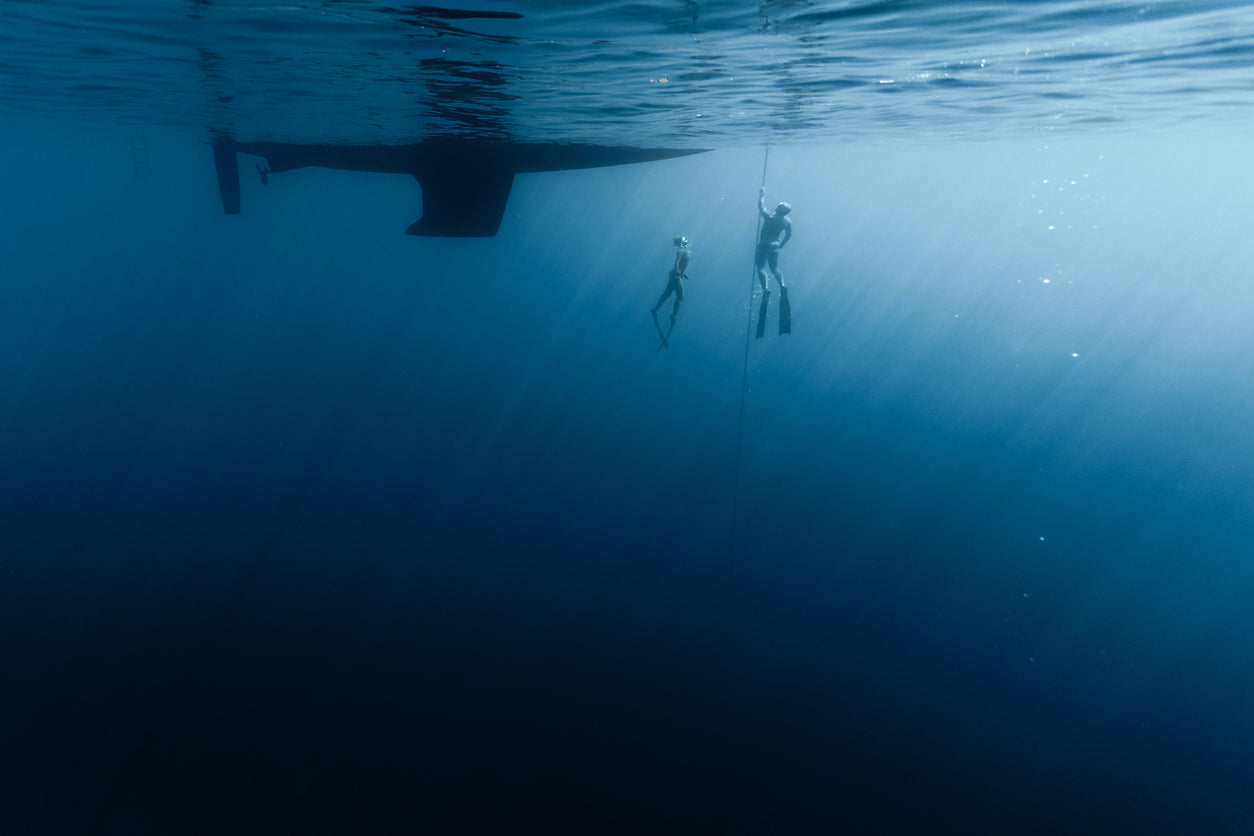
point(307, 526)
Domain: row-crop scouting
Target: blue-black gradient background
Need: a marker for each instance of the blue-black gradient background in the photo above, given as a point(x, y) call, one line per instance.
point(307, 526)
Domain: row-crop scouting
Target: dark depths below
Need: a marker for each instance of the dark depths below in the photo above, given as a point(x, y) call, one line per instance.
point(546, 680)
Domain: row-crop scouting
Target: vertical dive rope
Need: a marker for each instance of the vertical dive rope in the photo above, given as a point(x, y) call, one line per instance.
point(744, 376)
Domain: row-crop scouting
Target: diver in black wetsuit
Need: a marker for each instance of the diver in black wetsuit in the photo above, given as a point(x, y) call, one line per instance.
point(769, 244)
point(774, 224)
point(674, 284)
point(675, 281)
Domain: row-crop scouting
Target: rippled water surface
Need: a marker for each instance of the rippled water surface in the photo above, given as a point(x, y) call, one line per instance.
point(714, 74)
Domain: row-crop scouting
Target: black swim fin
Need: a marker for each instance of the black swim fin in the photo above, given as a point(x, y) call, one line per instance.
point(766, 299)
point(660, 335)
point(666, 340)
point(785, 312)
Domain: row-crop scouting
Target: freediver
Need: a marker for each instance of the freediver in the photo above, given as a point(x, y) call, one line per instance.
point(774, 224)
point(674, 284)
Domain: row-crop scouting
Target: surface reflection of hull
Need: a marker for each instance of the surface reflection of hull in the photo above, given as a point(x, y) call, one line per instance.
point(465, 184)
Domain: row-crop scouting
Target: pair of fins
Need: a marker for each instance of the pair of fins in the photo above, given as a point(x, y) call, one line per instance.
point(785, 313)
point(663, 337)
point(785, 318)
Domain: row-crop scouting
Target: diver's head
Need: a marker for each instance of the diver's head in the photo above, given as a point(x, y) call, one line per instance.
point(783, 209)
point(681, 241)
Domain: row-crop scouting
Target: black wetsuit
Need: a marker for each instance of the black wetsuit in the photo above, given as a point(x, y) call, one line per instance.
point(675, 281)
point(773, 224)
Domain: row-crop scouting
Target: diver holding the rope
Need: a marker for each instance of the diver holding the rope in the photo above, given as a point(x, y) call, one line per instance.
point(774, 224)
point(675, 284)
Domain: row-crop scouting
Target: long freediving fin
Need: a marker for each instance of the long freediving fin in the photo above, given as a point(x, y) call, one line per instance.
point(669, 331)
point(660, 335)
point(785, 312)
point(766, 299)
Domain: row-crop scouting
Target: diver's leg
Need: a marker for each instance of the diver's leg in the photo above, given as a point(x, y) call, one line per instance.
point(779, 274)
point(679, 297)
